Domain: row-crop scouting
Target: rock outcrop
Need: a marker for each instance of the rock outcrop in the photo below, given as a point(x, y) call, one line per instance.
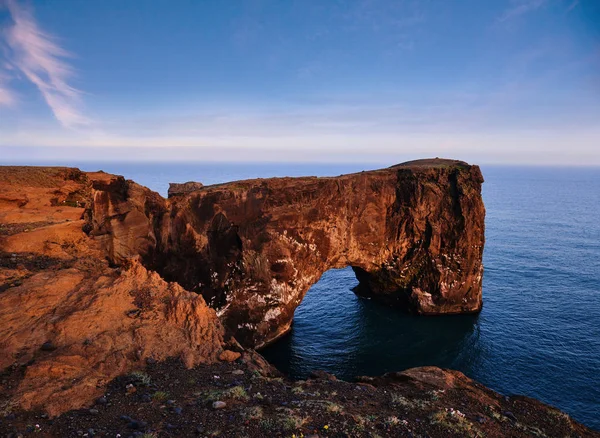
point(100, 276)
point(413, 233)
point(69, 322)
point(176, 189)
point(98, 273)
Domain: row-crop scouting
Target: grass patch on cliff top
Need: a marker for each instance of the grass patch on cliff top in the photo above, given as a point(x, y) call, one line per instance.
point(160, 396)
point(455, 421)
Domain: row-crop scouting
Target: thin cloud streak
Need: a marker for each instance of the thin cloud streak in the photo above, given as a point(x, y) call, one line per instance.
point(7, 97)
point(573, 5)
point(40, 59)
point(521, 7)
point(528, 146)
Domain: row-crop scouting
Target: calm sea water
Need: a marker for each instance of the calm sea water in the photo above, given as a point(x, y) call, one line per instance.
point(539, 331)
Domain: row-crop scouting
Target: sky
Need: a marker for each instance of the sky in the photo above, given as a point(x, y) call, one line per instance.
point(489, 82)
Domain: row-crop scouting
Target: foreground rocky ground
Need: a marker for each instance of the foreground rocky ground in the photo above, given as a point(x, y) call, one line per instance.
point(241, 399)
point(91, 347)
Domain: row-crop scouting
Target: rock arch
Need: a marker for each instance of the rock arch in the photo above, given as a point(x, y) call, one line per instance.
point(413, 233)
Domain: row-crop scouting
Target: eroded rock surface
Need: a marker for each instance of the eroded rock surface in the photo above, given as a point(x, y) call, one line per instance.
point(69, 322)
point(77, 250)
point(413, 233)
point(178, 189)
point(85, 264)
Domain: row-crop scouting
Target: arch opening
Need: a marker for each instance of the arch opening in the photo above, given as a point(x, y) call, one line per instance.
point(337, 330)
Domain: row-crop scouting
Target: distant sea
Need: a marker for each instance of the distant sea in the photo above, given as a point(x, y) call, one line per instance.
point(539, 331)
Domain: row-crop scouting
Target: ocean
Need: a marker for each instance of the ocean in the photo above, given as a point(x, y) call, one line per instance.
point(539, 331)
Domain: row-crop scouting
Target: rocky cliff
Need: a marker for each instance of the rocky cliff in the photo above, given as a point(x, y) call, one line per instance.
point(101, 278)
point(413, 233)
point(70, 322)
point(99, 274)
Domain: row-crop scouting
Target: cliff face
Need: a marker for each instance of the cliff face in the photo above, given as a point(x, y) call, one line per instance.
point(69, 322)
point(413, 233)
point(80, 304)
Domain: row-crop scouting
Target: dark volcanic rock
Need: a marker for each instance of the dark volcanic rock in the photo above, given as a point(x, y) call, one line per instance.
point(419, 402)
point(413, 233)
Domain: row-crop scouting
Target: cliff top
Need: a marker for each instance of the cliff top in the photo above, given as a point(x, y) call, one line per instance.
point(434, 163)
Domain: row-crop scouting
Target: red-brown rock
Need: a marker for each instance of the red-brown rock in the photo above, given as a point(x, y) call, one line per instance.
point(69, 323)
point(413, 233)
point(229, 356)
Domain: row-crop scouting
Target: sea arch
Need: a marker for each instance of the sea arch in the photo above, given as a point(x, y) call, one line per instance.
point(413, 234)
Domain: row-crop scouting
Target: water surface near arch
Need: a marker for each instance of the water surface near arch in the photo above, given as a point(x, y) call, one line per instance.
point(336, 331)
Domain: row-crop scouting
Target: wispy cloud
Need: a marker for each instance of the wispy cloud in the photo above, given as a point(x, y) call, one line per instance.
point(7, 97)
point(521, 7)
point(573, 5)
point(41, 60)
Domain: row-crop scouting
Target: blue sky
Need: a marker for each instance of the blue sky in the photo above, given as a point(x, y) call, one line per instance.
point(503, 81)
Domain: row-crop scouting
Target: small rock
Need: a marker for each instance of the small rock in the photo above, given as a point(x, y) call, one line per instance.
point(146, 398)
point(237, 372)
point(170, 426)
point(199, 430)
point(219, 405)
point(101, 401)
point(150, 361)
point(176, 189)
point(229, 356)
point(130, 388)
point(170, 402)
point(319, 374)
point(365, 379)
point(94, 411)
point(126, 418)
point(177, 411)
point(139, 425)
point(91, 432)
